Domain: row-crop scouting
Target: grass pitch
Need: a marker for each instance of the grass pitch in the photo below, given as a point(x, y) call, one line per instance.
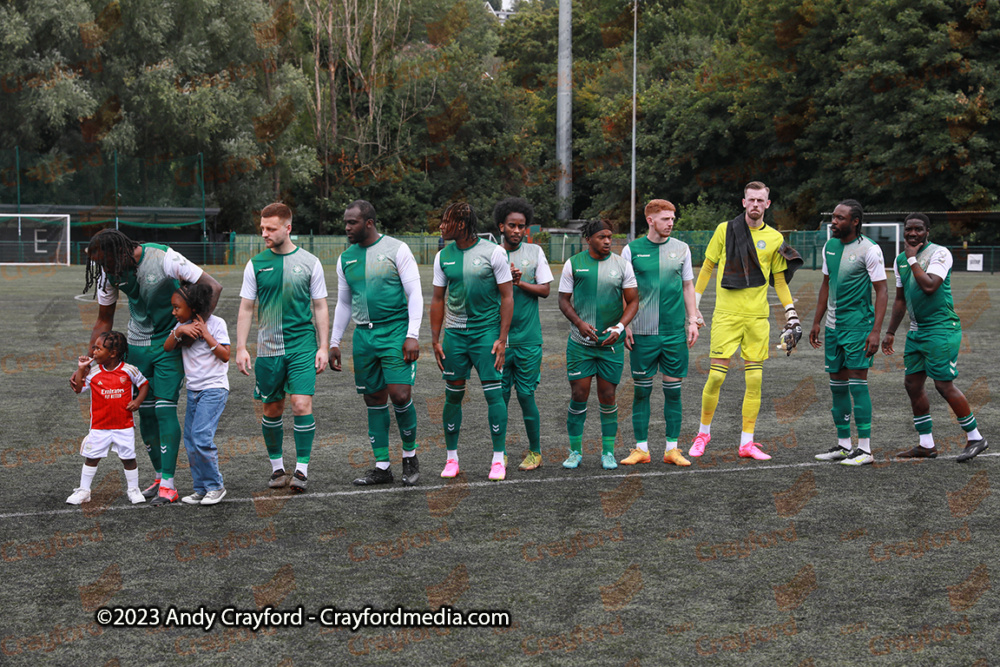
point(730, 561)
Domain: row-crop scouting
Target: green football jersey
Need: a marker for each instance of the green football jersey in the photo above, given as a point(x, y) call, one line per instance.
point(660, 271)
point(525, 326)
point(149, 289)
point(284, 287)
point(851, 269)
point(928, 311)
point(472, 277)
point(597, 287)
point(373, 276)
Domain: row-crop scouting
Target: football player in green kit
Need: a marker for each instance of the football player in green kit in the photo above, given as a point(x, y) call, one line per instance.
point(531, 276)
point(289, 285)
point(598, 294)
point(379, 289)
point(923, 288)
point(852, 265)
point(476, 315)
point(663, 329)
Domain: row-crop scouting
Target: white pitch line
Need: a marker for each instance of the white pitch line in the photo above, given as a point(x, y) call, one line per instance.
point(481, 484)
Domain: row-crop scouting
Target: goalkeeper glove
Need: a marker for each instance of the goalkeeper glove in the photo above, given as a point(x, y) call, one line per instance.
point(792, 332)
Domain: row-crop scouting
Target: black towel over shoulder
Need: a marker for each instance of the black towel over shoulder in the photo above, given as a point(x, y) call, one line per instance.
point(742, 265)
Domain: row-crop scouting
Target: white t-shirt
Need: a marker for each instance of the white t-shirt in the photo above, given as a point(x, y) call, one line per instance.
point(202, 368)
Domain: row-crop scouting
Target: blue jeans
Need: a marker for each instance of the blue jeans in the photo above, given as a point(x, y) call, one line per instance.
point(200, 421)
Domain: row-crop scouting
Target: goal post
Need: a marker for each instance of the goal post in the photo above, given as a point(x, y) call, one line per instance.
point(888, 235)
point(34, 239)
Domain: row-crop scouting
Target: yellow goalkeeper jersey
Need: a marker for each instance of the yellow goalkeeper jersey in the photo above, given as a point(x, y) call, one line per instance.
point(752, 301)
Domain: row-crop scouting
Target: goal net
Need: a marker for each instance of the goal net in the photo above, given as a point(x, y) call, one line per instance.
point(34, 239)
point(888, 235)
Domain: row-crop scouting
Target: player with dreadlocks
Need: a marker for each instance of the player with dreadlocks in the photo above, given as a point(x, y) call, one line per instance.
point(149, 274)
point(111, 382)
point(476, 317)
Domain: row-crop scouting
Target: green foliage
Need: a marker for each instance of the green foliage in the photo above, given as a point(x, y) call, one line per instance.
point(424, 102)
point(705, 214)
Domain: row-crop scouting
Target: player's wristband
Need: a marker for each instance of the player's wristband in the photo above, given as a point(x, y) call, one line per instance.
point(790, 313)
point(176, 338)
point(911, 260)
point(212, 349)
point(697, 300)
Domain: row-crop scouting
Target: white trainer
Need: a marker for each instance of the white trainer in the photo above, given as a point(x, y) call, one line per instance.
point(79, 496)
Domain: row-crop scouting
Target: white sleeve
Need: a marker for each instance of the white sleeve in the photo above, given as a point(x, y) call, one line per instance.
point(342, 311)
point(566, 279)
point(627, 253)
point(138, 379)
point(543, 274)
point(439, 280)
point(628, 276)
point(409, 276)
point(107, 293)
point(219, 330)
point(899, 281)
point(826, 269)
point(940, 263)
point(687, 270)
point(90, 374)
point(177, 266)
point(317, 282)
point(406, 265)
point(875, 263)
point(501, 265)
point(249, 289)
point(414, 308)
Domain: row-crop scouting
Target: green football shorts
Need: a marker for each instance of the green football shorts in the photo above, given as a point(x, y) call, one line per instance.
point(522, 369)
point(164, 370)
point(846, 349)
point(464, 350)
point(934, 352)
point(378, 357)
point(669, 354)
point(583, 361)
point(293, 373)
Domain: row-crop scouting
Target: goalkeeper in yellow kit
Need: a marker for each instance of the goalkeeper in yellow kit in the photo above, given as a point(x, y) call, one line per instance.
point(748, 253)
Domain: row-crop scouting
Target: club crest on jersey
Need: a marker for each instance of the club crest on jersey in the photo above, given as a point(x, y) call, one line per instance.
point(150, 278)
point(296, 269)
point(123, 380)
point(525, 262)
point(761, 244)
point(672, 255)
point(852, 258)
point(477, 261)
point(613, 273)
point(380, 257)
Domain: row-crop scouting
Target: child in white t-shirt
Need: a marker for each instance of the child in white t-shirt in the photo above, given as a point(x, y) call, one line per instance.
point(205, 351)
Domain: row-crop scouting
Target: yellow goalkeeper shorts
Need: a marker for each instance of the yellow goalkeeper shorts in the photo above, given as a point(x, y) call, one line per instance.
point(750, 334)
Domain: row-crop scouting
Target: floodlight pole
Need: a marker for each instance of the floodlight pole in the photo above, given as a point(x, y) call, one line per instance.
point(635, 39)
point(17, 170)
point(564, 111)
point(116, 188)
point(201, 180)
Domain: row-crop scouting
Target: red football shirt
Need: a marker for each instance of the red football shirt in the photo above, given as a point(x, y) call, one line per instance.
point(110, 393)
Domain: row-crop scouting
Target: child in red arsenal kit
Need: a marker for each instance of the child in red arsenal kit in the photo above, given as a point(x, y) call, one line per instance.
point(111, 382)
